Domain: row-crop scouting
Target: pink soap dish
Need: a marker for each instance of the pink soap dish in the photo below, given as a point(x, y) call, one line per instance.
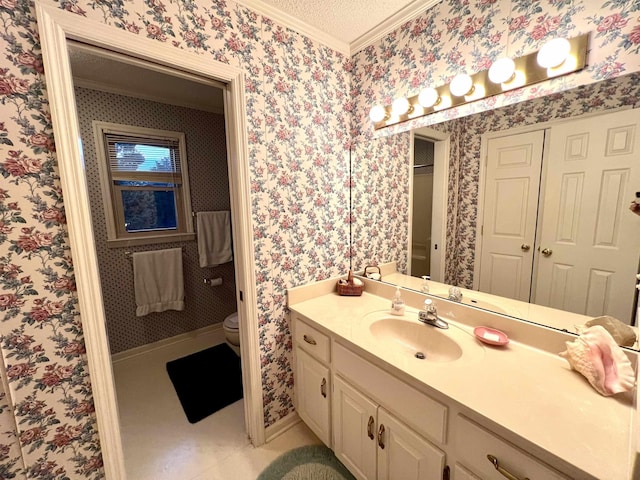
point(491, 336)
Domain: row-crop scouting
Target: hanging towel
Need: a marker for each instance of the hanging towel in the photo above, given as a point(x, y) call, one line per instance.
point(158, 281)
point(214, 238)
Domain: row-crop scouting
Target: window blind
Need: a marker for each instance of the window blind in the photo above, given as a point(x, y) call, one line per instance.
point(139, 154)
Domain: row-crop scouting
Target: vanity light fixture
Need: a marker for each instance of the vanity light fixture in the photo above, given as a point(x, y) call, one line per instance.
point(558, 57)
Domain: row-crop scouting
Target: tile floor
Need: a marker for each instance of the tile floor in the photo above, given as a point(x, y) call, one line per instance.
point(160, 444)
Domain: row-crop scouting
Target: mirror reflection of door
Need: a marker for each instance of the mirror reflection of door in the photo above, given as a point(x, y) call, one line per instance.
point(423, 161)
point(578, 259)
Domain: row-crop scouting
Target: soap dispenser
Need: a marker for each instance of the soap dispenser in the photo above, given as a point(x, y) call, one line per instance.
point(397, 304)
point(425, 284)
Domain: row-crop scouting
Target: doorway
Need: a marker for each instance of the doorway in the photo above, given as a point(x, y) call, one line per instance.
point(56, 27)
point(423, 159)
point(429, 174)
point(136, 99)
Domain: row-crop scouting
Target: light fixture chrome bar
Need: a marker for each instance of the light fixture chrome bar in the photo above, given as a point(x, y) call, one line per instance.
point(528, 72)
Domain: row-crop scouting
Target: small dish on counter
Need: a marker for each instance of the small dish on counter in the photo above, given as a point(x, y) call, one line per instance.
point(491, 336)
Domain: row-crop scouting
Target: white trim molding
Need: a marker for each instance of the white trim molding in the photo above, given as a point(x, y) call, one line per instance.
point(56, 27)
point(297, 25)
point(408, 13)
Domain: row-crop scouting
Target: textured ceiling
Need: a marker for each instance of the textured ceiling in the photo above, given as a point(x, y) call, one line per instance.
point(95, 70)
point(345, 20)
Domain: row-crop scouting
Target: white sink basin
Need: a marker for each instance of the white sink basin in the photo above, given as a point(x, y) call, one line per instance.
point(432, 342)
point(407, 336)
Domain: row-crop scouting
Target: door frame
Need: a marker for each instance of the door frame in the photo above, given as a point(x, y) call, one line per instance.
point(55, 27)
point(441, 149)
point(482, 177)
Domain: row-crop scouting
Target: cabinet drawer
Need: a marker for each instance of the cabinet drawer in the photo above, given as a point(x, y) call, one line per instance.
point(311, 340)
point(421, 412)
point(473, 444)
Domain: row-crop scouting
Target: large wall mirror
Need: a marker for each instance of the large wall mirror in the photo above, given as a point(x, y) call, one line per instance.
point(537, 219)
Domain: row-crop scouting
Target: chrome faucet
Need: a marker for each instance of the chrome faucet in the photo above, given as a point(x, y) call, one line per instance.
point(429, 315)
point(455, 294)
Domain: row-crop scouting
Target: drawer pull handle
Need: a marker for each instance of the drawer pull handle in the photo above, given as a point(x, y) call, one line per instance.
point(309, 340)
point(505, 473)
point(370, 428)
point(381, 436)
point(323, 388)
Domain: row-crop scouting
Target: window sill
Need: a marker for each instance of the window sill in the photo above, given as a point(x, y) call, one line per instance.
point(150, 240)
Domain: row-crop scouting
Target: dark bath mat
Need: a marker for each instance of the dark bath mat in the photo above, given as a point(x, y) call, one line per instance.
point(206, 381)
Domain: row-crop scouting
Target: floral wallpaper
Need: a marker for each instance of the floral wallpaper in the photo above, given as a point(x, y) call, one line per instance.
point(297, 109)
point(306, 104)
point(459, 36)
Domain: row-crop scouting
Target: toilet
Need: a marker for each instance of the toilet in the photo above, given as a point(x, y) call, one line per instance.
point(231, 332)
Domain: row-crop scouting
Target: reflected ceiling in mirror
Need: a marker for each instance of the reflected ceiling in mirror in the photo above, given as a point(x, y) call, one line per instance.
point(384, 166)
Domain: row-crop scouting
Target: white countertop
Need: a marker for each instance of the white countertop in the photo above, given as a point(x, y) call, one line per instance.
point(532, 393)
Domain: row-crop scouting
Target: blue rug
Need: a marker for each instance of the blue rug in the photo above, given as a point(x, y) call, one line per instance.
point(311, 462)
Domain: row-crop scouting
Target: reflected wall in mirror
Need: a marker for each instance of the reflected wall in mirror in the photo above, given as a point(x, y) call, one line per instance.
point(464, 263)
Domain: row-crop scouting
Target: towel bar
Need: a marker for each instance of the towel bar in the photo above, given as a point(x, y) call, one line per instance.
point(129, 255)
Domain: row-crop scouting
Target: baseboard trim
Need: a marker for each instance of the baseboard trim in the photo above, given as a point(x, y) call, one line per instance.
point(216, 333)
point(281, 426)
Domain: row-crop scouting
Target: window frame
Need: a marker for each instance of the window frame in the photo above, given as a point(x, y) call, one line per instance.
point(117, 236)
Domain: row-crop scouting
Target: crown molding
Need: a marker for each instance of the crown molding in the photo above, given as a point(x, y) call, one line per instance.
point(392, 23)
point(298, 25)
point(167, 100)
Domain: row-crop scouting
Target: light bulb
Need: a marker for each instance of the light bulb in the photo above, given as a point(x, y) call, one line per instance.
point(476, 93)
point(553, 53)
point(377, 114)
point(400, 106)
point(502, 70)
point(461, 85)
point(428, 97)
point(444, 103)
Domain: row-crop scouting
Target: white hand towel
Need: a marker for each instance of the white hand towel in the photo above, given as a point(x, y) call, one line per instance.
point(214, 238)
point(158, 281)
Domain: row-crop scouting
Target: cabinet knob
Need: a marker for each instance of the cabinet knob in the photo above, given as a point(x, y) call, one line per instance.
point(502, 470)
point(370, 427)
point(309, 340)
point(323, 388)
point(381, 436)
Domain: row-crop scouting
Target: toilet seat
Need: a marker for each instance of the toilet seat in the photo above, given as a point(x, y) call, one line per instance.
point(231, 322)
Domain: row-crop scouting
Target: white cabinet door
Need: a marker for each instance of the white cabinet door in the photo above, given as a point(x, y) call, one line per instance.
point(404, 455)
point(354, 429)
point(312, 395)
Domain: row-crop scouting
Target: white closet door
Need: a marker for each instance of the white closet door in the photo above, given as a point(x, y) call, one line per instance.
point(589, 239)
point(510, 210)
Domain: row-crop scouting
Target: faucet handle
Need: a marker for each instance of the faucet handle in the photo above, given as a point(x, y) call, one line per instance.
point(429, 306)
point(455, 294)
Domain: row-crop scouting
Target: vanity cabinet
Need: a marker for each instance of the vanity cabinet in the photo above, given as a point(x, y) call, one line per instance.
point(474, 444)
point(313, 380)
point(373, 444)
point(382, 428)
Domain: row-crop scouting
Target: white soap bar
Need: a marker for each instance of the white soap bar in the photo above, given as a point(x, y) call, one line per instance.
point(491, 336)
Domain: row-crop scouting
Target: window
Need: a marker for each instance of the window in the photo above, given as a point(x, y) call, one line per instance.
point(145, 184)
